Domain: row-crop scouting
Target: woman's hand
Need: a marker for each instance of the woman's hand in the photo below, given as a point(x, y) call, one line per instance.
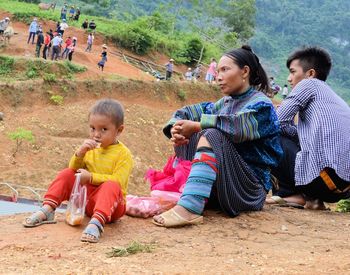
point(87, 145)
point(183, 130)
point(85, 176)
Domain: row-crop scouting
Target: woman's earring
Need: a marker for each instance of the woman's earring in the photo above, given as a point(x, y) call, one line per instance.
point(243, 80)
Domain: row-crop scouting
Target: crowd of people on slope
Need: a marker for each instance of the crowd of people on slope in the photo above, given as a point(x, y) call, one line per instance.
point(239, 148)
point(57, 45)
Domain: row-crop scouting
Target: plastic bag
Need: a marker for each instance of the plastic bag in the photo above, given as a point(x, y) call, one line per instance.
point(77, 202)
point(145, 207)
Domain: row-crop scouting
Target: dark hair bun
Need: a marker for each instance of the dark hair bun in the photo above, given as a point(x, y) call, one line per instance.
point(247, 47)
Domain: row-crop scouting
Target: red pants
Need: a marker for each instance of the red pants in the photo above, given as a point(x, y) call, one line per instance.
point(105, 202)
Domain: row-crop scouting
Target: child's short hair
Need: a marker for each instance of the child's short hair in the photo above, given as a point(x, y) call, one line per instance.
point(110, 108)
point(313, 58)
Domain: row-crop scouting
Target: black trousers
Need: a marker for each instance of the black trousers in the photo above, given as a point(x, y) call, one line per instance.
point(328, 187)
point(168, 75)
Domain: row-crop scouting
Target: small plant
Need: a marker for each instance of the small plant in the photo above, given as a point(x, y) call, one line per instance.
point(133, 248)
point(32, 73)
point(57, 99)
point(343, 206)
point(74, 68)
point(19, 136)
point(50, 78)
point(182, 95)
point(6, 64)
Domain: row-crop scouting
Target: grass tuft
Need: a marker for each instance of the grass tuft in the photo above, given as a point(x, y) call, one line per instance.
point(133, 248)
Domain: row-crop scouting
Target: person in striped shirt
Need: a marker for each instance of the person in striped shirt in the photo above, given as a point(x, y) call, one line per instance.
point(104, 164)
point(232, 143)
point(316, 163)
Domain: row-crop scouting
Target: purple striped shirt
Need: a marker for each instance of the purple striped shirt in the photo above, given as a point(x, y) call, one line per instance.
point(323, 129)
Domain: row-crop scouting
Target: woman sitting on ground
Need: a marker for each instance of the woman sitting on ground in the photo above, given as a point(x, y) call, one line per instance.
point(233, 144)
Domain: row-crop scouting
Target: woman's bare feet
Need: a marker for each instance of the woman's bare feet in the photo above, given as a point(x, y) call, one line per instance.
point(315, 204)
point(295, 199)
point(181, 211)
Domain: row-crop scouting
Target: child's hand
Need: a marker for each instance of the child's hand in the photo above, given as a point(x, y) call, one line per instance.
point(85, 176)
point(87, 145)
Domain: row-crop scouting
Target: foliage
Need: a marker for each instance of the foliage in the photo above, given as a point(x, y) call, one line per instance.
point(282, 26)
point(182, 95)
point(57, 99)
point(74, 68)
point(159, 25)
point(133, 248)
point(50, 78)
point(135, 38)
point(6, 64)
point(19, 136)
point(343, 206)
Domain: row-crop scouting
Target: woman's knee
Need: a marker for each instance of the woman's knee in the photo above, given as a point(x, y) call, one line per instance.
point(203, 142)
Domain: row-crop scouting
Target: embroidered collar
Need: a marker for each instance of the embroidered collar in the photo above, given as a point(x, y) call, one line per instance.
point(244, 95)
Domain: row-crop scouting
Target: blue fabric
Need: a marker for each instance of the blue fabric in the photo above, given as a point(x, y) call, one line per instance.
point(199, 183)
point(248, 120)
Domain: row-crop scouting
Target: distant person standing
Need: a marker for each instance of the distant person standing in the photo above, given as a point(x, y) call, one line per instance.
point(90, 40)
point(77, 15)
point(85, 24)
point(39, 43)
point(4, 24)
point(32, 30)
point(101, 63)
point(64, 12)
point(197, 72)
point(47, 42)
point(63, 26)
point(92, 25)
point(169, 67)
point(285, 91)
point(188, 74)
point(68, 42)
point(211, 72)
point(56, 46)
point(71, 12)
point(72, 48)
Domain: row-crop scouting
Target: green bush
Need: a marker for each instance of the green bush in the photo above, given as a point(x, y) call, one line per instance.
point(182, 95)
point(50, 78)
point(193, 50)
point(31, 73)
point(6, 64)
point(74, 68)
point(19, 136)
point(136, 39)
point(57, 99)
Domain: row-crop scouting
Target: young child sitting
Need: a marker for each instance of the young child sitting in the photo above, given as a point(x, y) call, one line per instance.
point(104, 169)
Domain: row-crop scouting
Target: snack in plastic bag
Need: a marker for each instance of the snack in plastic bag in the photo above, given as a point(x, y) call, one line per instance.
point(145, 207)
point(77, 202)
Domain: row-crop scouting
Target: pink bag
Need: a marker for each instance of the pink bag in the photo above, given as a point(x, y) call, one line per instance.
point(172, 178)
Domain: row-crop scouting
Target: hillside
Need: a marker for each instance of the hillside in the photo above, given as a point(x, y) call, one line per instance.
point(274, 241)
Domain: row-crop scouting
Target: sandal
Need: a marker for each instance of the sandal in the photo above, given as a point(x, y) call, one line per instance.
point(173, 219)
point(95, 232)
point(36, 218)
point(279, 201)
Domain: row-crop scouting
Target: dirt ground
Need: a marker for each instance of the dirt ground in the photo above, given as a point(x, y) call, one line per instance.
point(274, 241)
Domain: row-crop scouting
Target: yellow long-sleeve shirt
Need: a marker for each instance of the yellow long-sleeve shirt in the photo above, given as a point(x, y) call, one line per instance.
point(112, 163)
